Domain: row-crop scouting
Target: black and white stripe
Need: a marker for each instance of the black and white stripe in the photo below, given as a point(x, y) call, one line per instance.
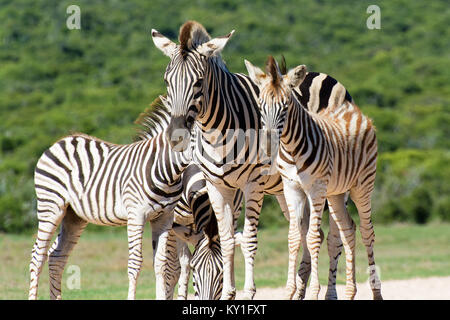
point(223, 107)
point(322, 156)
point(82, 179)
point(200, 88)
point(195, 223)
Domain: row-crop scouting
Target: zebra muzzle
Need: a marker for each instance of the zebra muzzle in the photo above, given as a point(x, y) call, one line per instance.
point(178, 134)
point(270, 142)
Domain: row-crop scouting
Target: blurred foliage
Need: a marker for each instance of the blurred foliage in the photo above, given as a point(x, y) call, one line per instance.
point(54, 81)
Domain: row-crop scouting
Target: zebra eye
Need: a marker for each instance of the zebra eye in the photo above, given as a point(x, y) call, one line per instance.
point(198, 83)
point(190, 120)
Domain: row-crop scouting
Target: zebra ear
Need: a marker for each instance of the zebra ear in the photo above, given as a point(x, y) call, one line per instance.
point(187, 234)
point(296, 76)
point(164, 44)
point(214, 46)
point(255, 73)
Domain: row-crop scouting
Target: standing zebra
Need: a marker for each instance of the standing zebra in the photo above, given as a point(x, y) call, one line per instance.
point(322, 156)
point(223, 107)
point(82, 179)
point(195, 222)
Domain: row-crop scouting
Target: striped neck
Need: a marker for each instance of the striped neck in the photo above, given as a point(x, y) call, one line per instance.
point(230, 100)
point(168, 164)
point(300, 131)
point(214, 104)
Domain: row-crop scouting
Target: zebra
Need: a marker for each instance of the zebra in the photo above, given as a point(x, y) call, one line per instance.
point(82, 179)
point(322, 156)
point(206, 97)
point(195, 223)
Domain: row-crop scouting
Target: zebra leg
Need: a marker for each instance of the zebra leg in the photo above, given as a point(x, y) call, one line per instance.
point(347, 228)
point(254, 197)
point(222, 203)
point(294, 238)
point(304, 270)
point(135, 229)
point(185, 259)
point(363, 204)
point(316, 197)
point(49, 215)
point(71, 228)
point(334, 245)
point(173, 263)
point(160, 233)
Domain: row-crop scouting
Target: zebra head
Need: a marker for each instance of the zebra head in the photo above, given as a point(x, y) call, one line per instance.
point(207, 269)
point(185, 77)
point(206, 263)
point(275, 95)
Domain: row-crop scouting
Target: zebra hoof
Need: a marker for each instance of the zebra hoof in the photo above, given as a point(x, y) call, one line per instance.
point(248, 294)
point(229, 294)
point(299, 295)
point(331, 295)
point(350, 292)
point(377, 295)
point(313, 296)
point(289, 293)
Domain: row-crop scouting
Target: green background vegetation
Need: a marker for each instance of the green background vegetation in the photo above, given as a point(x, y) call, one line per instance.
point(54, 81)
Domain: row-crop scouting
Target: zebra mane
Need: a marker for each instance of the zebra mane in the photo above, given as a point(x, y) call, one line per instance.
point(155, 119)
point(192, 34)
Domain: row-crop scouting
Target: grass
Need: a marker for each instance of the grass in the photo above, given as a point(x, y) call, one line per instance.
point(401, 251)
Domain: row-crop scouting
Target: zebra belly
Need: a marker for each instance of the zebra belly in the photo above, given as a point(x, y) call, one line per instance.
point(343, 177)
point(232, 178)
point(306, 180)
point(105, 213)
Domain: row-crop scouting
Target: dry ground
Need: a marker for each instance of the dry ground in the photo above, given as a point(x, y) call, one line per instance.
point(436, 288)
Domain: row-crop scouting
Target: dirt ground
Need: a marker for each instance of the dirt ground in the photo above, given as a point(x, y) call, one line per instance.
point(437, 288)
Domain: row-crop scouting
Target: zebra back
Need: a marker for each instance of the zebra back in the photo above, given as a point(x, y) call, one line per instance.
point(319, 91)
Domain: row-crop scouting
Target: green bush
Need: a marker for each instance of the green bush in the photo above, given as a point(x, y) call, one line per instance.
point(97, 80)
point(412, 185)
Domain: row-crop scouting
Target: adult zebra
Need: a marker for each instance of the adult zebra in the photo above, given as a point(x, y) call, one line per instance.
point(81, 179)
point(194, 222)
point(322, 156)
point(223, 107)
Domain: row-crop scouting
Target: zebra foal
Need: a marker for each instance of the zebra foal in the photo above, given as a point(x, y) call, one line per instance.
point(82, 179)
point(321, 156)
point(195, 223)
